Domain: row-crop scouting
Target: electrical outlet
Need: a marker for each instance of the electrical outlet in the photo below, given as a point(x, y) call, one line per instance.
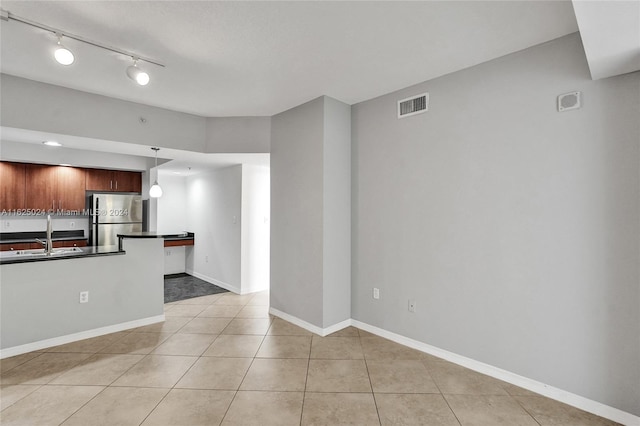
point(206, 259)
point(235, 219)
point(72, 225)
point(412, 305)
point(168, 253)
point(376, 293)
point(7, 224)
point(84, 296)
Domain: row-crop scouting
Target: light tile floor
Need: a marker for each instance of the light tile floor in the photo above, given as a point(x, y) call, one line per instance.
point(221, 359)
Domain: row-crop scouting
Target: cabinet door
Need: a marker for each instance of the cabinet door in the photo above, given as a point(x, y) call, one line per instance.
point(127, 181)
point(75, 243)
point(12, 186)
point(41, 183)
point(14, 246)
point(99, 180)
point(70, 188)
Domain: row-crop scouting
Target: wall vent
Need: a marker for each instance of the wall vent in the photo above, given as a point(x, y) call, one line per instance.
point(413, 105)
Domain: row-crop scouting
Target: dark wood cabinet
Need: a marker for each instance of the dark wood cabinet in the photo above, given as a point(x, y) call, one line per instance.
point(58, 189)
point(99, 180)
point(127, 181)
point(75, 243)
point(15, 246)
point(54, 188)
point(12, 186)
point(70, 188)
point(113, 181)
point(41, 182)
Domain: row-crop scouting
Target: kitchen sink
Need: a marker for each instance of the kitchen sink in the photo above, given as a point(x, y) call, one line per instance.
point(39, 252)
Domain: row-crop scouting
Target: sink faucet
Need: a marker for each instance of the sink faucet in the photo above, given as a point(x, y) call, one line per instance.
point(48, 245)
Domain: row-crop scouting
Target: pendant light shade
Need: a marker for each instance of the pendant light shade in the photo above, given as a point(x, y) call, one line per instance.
point(137, 75)
point(155, 191)
point(63, 55)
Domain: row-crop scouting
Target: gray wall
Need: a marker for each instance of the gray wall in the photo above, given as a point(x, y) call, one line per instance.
point(311, 212)
point(296, 211)
point(214, 214)
point(513, 226)
point(238, 134)
point(39, 300)
point(27, 104)
point(337, 212)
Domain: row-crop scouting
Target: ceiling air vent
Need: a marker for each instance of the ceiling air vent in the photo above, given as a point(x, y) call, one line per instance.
point(413, 105)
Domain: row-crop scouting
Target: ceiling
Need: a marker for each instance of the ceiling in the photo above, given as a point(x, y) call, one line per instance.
point(611, 36)
point(260, 58)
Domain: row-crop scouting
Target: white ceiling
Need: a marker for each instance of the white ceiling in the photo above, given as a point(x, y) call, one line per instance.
point(610, 33)
point(260, 58)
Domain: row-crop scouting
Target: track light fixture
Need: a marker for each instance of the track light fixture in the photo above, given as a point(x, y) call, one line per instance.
point(136, 74)
point(63, 55)
point(155, 191)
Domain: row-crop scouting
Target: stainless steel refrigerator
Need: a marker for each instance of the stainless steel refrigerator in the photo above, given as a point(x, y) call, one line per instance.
point(113, 214)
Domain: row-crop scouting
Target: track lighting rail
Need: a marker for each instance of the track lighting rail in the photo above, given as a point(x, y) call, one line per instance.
point(8, 16)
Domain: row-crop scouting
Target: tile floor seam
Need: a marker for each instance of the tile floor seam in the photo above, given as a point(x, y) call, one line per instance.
point(19, 399)
point(524, 408)
point(156, 406)
point(83, 405)
point(242, 381)
point(375, 402)
point(30, 359)
point(451, 409)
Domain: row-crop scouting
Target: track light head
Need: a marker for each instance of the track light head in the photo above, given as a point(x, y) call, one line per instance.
point(63, 55)
point(137, 75)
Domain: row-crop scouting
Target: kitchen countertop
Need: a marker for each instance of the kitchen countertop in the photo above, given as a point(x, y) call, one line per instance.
point(10, 258)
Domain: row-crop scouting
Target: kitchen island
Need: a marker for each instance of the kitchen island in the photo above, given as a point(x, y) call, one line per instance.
point(40, 299)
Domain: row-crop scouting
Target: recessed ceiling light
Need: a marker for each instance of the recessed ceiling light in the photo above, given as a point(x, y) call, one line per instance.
point(65, 165)
point(177, 173)
point(52, 143)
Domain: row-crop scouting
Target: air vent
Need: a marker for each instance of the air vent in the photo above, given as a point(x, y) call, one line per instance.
point(413, 105)
point(569, 101)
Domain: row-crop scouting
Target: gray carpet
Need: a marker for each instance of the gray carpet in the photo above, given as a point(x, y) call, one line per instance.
point(184, 286)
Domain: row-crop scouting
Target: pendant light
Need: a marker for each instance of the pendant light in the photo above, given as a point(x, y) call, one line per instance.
point(63, 55)
point(155, 191)
point(136, 74)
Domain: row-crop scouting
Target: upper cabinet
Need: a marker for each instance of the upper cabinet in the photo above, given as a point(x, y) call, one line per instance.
point(54, 187)
point(12, 186)
point(113, 181)
point(58, 188)
point(70, 188)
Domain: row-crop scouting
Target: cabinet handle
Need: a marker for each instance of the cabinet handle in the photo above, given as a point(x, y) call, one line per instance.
point(53, 204)
point(110, 184)
point(116, 185)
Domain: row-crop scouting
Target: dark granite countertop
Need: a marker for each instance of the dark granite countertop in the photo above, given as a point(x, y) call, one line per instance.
point(24, 256)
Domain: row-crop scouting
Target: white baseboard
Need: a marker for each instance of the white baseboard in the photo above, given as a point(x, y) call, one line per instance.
point(569, 398)
point(69, 338)
point(211, 280)
point(560, 395)
point(308, 326)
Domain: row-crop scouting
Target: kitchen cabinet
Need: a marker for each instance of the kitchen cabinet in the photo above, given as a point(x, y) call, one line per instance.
point(15, 246)
point(74, 243)
point(70, 188)
point(113, 181)
point(12, 186)
point(41, 184)
point(54, 188)
point(32, 246)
